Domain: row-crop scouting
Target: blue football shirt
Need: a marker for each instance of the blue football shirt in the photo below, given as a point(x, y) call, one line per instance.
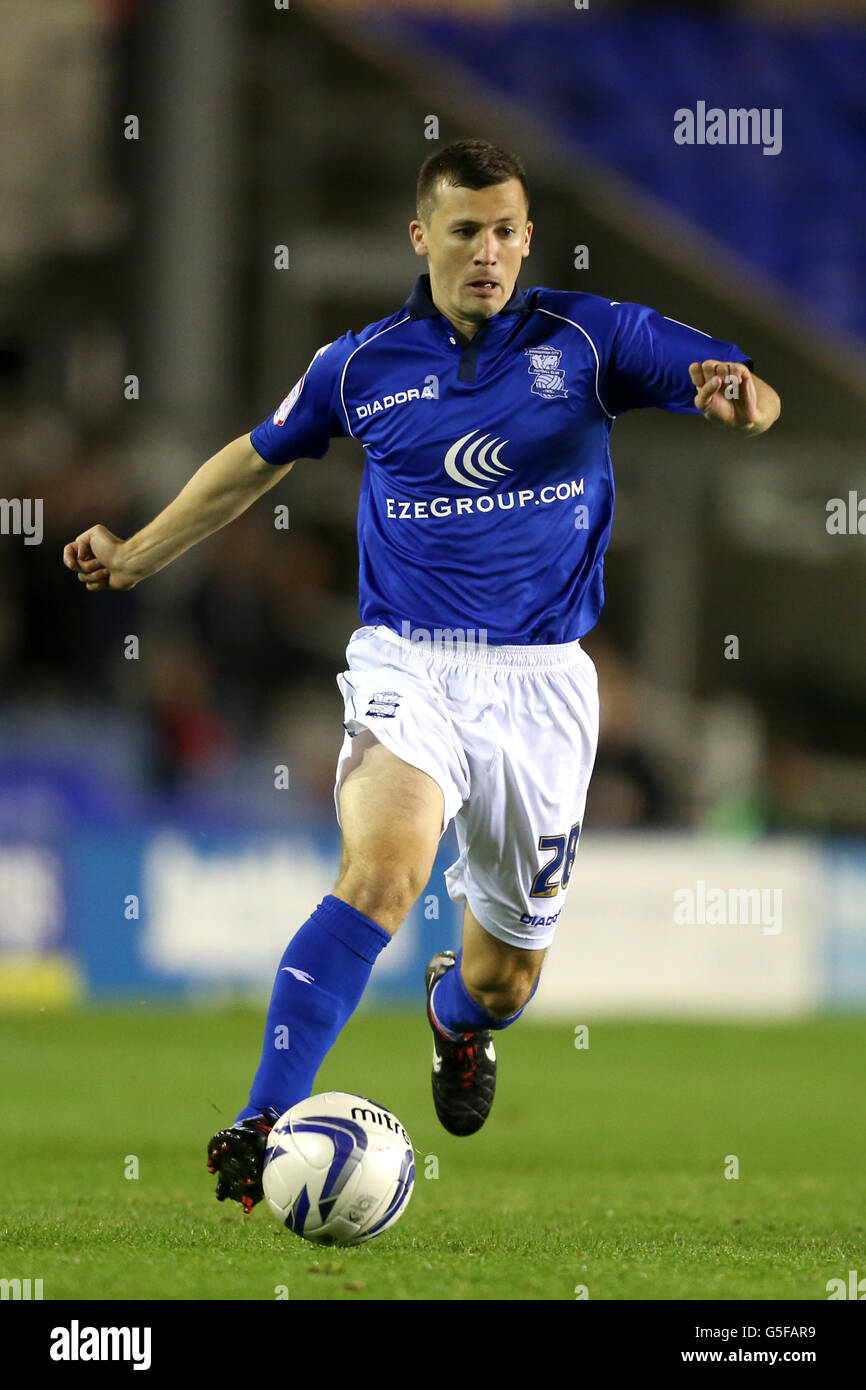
point(487, 496)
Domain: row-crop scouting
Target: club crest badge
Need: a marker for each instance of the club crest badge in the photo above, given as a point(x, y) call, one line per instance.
point(384, 704)
point(549, 379)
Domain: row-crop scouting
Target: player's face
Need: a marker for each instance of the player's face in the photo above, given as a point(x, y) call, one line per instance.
point(475, 240)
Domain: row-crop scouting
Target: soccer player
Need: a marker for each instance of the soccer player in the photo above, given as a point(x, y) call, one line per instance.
point(485, 413)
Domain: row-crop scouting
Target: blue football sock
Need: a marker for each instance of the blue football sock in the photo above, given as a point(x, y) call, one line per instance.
point(321, 978)
point(456, 1012)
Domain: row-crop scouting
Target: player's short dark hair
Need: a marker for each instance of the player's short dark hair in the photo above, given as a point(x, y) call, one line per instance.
point(467, 164)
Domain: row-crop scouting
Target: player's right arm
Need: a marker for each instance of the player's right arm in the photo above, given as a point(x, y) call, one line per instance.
point(301, 427)
point(223, 487)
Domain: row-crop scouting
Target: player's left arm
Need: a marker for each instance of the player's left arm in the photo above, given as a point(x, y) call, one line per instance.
point(730, 394)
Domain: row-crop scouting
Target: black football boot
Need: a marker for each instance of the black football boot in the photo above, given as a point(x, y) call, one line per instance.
point(464, 1071)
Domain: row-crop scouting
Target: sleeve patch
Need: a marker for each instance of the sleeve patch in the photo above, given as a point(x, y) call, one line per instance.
point(282, 412)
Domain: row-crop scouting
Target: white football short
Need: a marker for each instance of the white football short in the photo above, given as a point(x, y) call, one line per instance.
point(510, 736)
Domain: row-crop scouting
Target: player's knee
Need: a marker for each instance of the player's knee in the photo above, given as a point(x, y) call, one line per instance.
point(382, 891)
point(504, 998)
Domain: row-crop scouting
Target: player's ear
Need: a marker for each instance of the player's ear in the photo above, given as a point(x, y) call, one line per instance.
point(417, 237)
point(526, 240)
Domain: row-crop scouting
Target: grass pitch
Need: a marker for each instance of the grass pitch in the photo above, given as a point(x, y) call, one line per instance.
point(601, 1168)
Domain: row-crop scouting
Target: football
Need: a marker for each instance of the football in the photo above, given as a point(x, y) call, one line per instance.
point(339, 1169)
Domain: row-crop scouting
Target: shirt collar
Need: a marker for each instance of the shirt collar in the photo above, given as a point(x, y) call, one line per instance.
point(420, 303)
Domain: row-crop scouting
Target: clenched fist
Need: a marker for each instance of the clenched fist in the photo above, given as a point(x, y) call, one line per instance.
point(96, 556)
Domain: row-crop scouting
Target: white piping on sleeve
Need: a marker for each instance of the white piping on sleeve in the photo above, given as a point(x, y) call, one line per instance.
point(352, 354)
point(687, 325)
point(551, 314)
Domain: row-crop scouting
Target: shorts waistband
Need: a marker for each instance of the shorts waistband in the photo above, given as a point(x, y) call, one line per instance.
point(451, 652)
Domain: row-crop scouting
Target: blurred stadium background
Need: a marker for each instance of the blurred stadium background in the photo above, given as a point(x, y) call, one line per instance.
point(145, 851)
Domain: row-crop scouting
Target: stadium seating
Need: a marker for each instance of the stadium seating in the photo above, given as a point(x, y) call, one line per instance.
point(611, 84)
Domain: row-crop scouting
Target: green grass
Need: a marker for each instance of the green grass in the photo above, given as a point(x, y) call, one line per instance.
point(601, 1167)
